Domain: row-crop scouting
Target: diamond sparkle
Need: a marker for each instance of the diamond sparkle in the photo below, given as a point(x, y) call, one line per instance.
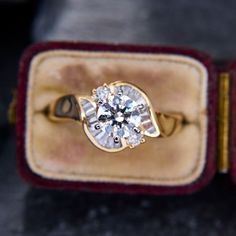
point(119, 115)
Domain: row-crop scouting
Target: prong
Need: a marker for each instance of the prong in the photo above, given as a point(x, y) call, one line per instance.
point(116, 139)
point(100, 101)
point(94, 97)
point(97, 126)
point(143, 140)
point(140, 106)
point(123, 142)
point(120, 92)
point(137, 130)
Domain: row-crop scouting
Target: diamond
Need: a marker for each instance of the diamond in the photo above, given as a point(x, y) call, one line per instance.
point(134, 138)
point(102, 92)
point(121, 132)
point(119, 112)
point(117, 115)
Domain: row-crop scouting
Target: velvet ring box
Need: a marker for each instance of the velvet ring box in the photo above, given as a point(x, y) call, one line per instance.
point(59, 155)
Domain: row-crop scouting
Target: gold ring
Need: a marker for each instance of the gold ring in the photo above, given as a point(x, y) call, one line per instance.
point(116, 116)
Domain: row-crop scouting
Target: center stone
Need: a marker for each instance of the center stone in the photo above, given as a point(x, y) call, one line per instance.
point(118, 115)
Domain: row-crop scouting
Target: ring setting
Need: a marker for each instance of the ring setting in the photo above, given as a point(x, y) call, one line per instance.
point(115, 116)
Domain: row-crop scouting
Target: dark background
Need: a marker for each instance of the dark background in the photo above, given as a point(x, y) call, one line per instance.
point(24, 210)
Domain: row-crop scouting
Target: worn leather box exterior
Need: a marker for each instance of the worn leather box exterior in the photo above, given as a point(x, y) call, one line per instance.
point(211, 141)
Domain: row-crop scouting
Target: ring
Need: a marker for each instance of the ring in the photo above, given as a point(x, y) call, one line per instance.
point(116, 116)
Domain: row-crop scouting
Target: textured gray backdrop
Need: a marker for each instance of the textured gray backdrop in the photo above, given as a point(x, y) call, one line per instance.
point(207, 25)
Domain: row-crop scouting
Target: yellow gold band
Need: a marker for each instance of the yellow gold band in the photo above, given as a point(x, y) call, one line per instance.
point(115, 116)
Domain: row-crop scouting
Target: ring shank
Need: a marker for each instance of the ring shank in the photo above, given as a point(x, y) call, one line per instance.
point(66, 108)
point(63, 109)
point(169, 124)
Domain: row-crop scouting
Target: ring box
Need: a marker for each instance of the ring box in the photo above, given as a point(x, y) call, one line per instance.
point(59, 155)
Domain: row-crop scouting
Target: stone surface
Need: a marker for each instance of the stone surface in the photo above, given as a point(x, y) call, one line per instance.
point(116, 115)
point(102, 92)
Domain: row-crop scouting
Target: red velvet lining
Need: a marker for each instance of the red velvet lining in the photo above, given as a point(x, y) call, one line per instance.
point(36, 180)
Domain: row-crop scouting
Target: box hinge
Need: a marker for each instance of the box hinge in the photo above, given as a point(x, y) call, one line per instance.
point(223, 123)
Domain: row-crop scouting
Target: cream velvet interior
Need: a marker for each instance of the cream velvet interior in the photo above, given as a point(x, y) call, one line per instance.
point(62, 150)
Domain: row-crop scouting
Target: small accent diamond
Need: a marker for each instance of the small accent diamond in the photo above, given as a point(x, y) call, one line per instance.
point(134, 138)
point(102, 92)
